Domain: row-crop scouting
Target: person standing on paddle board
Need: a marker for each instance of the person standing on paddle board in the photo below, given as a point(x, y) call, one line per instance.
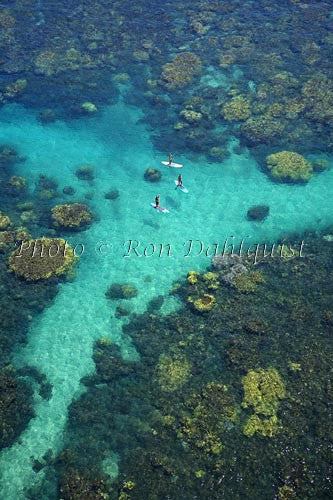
point(180, 181)
point(157, 201)
point(170, 158)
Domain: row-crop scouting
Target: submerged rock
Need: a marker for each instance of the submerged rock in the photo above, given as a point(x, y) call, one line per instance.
point(89, 108)
point(42, 258)
point(5, 221)
point(121, 312)
point(258, 212)
point(230, 267)
point(9, 156)
point(288, 166)
point(113, 194)
point(85, 173)
point(71, 216)
point(46, 183)
point(152, 175)
point(16, 186)
point(235, 273)
point(47, 116)
point(121, 291)
point(69, 190)
point(321, 165)
point(155, 304)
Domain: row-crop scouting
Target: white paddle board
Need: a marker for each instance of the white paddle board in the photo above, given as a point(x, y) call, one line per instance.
point(160, 209)
point(174, 165)
point(181, 188)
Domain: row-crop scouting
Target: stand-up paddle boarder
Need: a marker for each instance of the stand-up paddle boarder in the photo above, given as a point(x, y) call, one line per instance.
point(180, 181)
point(157, 200)
point(156, 205)
point(170, 162)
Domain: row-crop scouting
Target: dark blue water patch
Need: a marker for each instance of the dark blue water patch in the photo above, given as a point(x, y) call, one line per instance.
point(65, 93)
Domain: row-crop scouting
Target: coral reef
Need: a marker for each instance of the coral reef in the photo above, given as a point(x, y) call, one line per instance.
point(75, 486)
point(7, 240)
point(320, 165)
point(210, 411)
point(191, 116)
point(289, 166)
point(261, 129)
point(46, 63)
point(258, 212)
point(247, 282)
point(203, 304)
point(181, 70)
point(155, 304)
point(121, 291)
point(9, 156)
point(10, 239)
point(42, 258)
point(74, 216)
point(317, 93)
point(152, 175)
point(211, 280)
point(230, 268)
point(113, 194)
point(109, 365)
point(46, 188)
point(47, 116)
point(238, 109)
point(15, 406)
point(218, 154)
point(192, 277)
point(89, 108)
point(172, 372)
point(262, 391)
point(201, 425)
point(85, 173)
point(5, 222)
point(287, 492)
point(121, 312)
point(68, 190)
point(267, 427)
point(15, 88)
point(17, 185)
point(6, 20)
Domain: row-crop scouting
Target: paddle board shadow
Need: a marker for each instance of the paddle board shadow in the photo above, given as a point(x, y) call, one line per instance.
point(151, 223)
point(171, 203)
